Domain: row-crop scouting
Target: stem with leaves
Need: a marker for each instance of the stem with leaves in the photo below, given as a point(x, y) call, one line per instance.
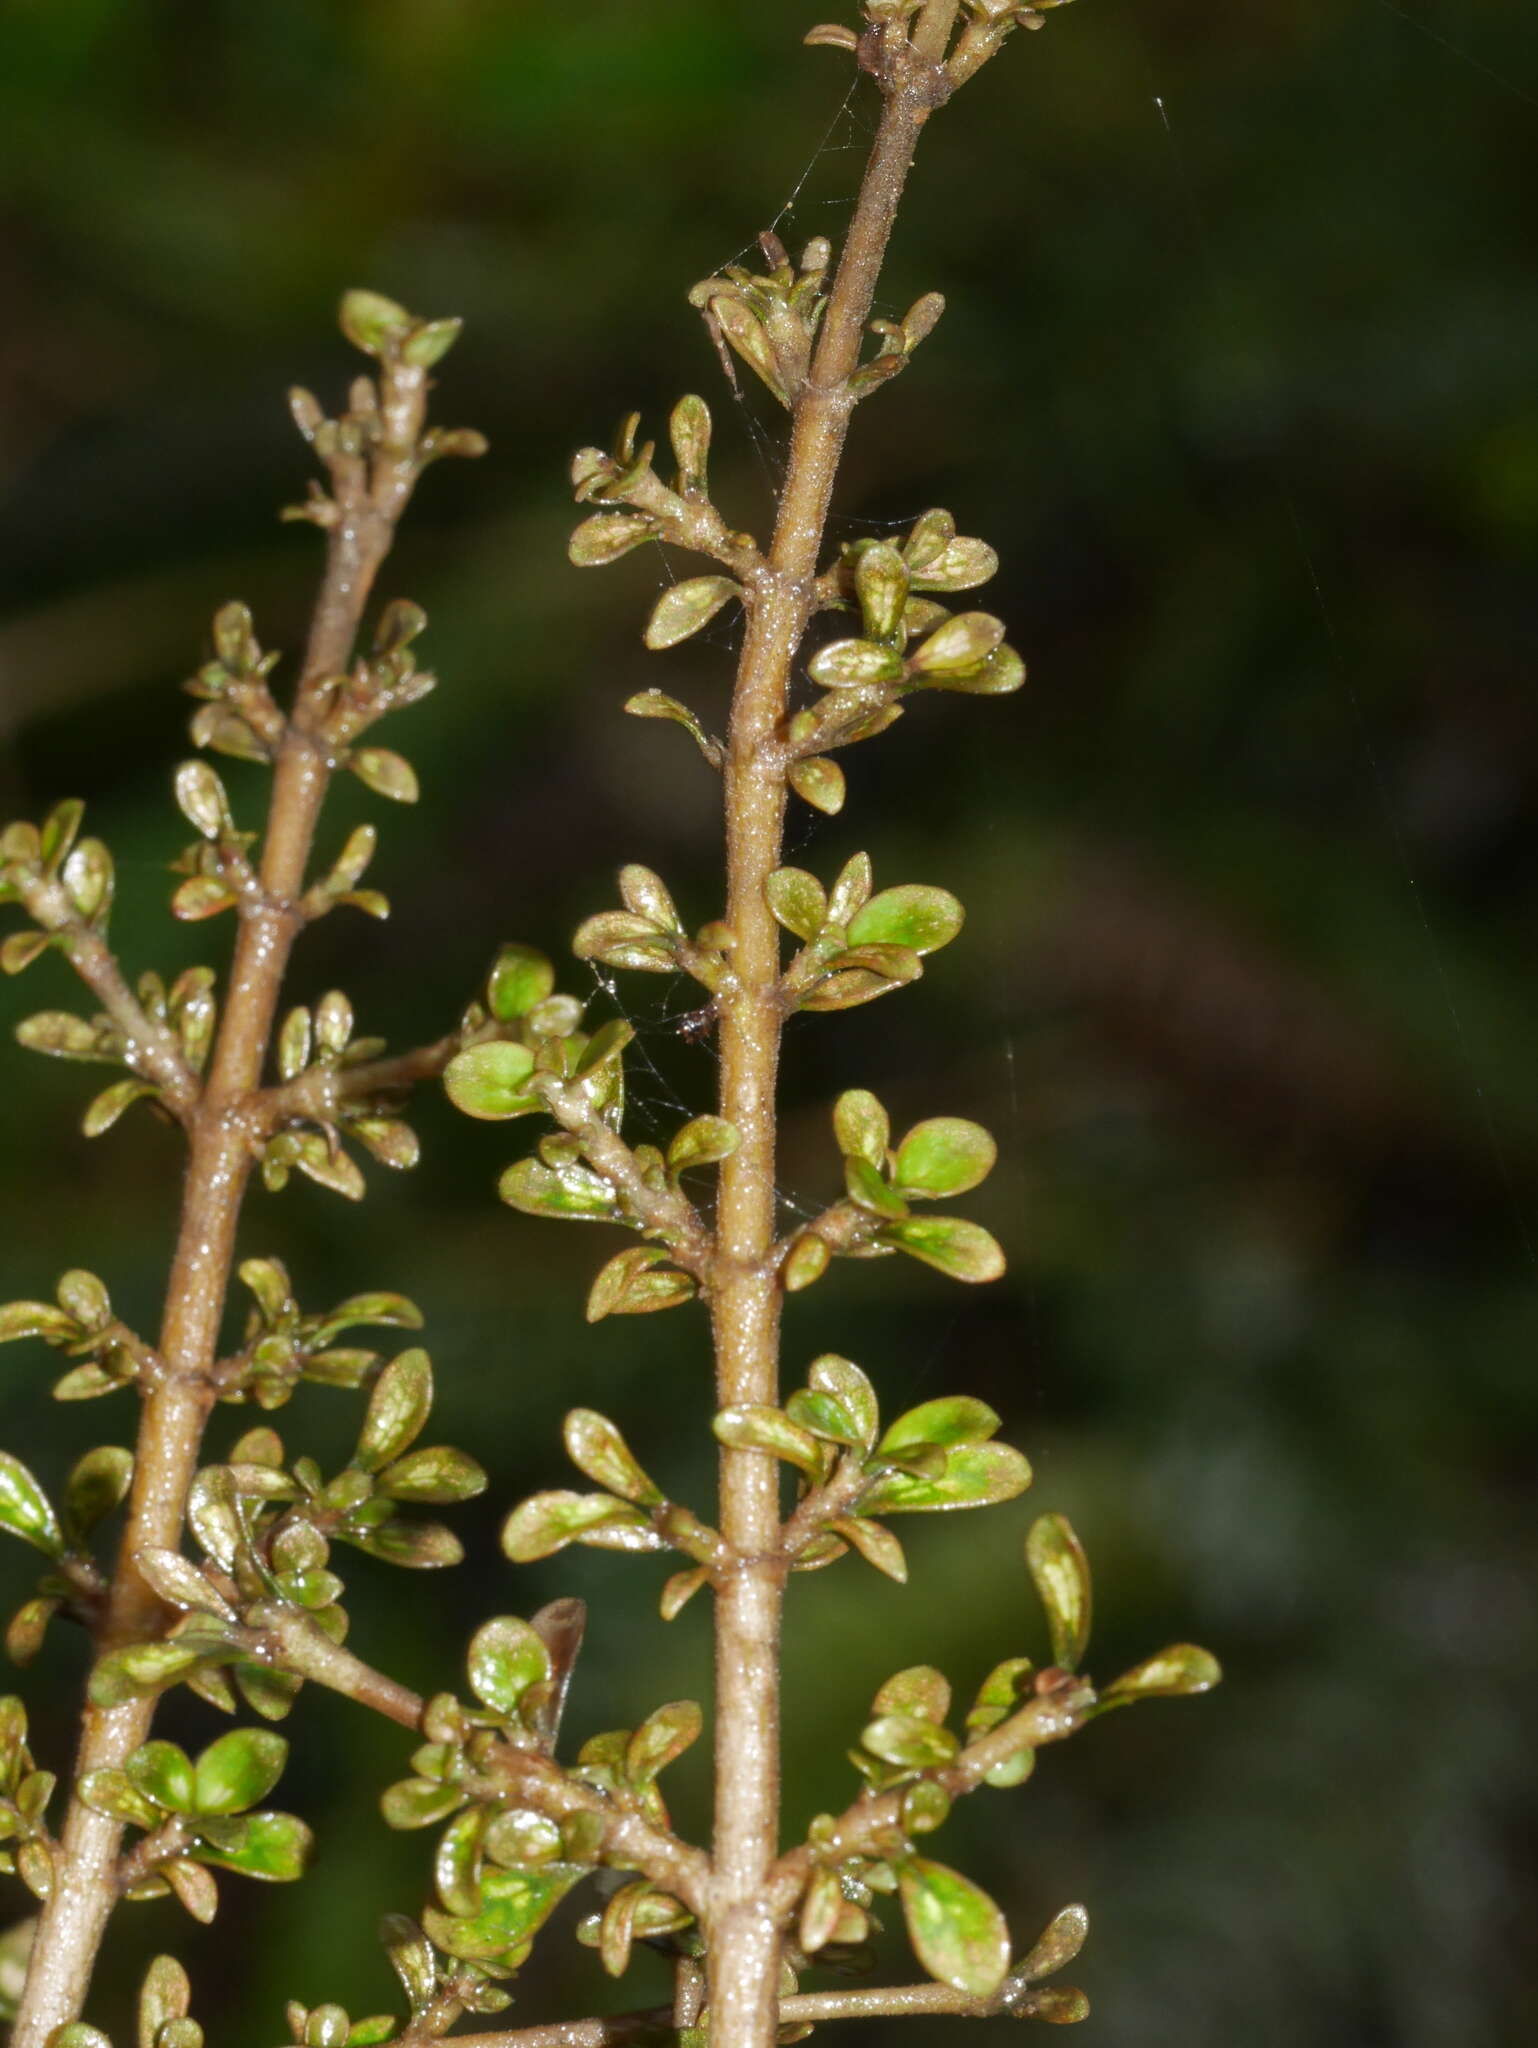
point(373, 458)
point(261, 1612)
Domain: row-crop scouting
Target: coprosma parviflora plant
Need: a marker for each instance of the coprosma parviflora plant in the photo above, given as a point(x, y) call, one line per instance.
point(251, 1608)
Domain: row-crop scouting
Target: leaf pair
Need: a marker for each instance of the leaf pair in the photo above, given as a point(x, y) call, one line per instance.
point(649, 935)
point(632, 1514)
point(211, 1799)
point(283, 1345)
point(939, 1158)
point(84, 1326)
point(97, 1484)
point(857, 945)
point(1060, 1570)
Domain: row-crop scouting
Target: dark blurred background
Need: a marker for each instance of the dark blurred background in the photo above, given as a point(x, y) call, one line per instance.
point(1239, 377)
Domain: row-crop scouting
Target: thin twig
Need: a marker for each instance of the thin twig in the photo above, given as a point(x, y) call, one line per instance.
point(743, 1937)
point(150, 1049)
point(371, 497)
point(604, 2033)
point(872, 1825)
point(803, 2008)
point(283, 1637)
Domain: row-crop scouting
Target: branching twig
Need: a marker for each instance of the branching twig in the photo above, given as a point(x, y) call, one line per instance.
point(873, 1823)
point(150, 1049)
point(743, 1939)
point(369, 499)
point(287, 1638)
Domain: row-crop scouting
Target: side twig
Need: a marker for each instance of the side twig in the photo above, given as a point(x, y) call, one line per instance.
point(370, 498)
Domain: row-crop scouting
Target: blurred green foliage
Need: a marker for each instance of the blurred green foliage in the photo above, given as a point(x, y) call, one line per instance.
point(1237, 376)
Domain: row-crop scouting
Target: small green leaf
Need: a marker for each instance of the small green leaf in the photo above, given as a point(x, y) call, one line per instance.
point(239, 1770)
point(657, 704)
point(116, 1794)
point(875, 1543)
point(689, 430)
point(841, 1378)
point(920, 1693)
point(851, 889)
point(943, 1156)
point(704, 1142)
point(860, 975)
point(680, 1589)
point(490, 1080)
point(957, 1931)
point(975, 1476)
point(1061, 1573)
point(201, 799)
point(518, 1839)
point(514, 1906)
point(686, 608)
point(97, 1483)
point(63, 1037)
point(271, 1846)
point(617, 1926)
point(605, 536)
point(824, 1415)
point(427, 345)
point(28, 1626)
point(180, 1584)
point(387, 774)
point(759, 1428)
point(869, 1191)
point(398, 1407)
point(661, 1737)
point(36, 1319)
point(163, 1774)
point(605, 1045)
point(506, 1658)
point(914, 915)
point(909, 1743)
point(962, 643)
point(881, 584)
point(419, 1803)
point(951, 1419)
point(103, 1111)
point(1060, 2005)
point(636, 1282)
point(570, 1191)
point(1000, 1694)
point(819, 782)
point(645, 894)
point(601, 1454)
point(963, 1250)
point(805, 1263)
point(1057, 1945)
point(146, 1668)
point(24, 1507)
point(847, 664)
point(374, 323)
point(1172, 1673)
point(411, 1958)
point(164, 1997)
point(926, 1806)
point(547, 1522)
point(457, 1860)
point(746, 333)
point(797, 900)
point(435, 1476)
point(862, 1127)
point(519, 979)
